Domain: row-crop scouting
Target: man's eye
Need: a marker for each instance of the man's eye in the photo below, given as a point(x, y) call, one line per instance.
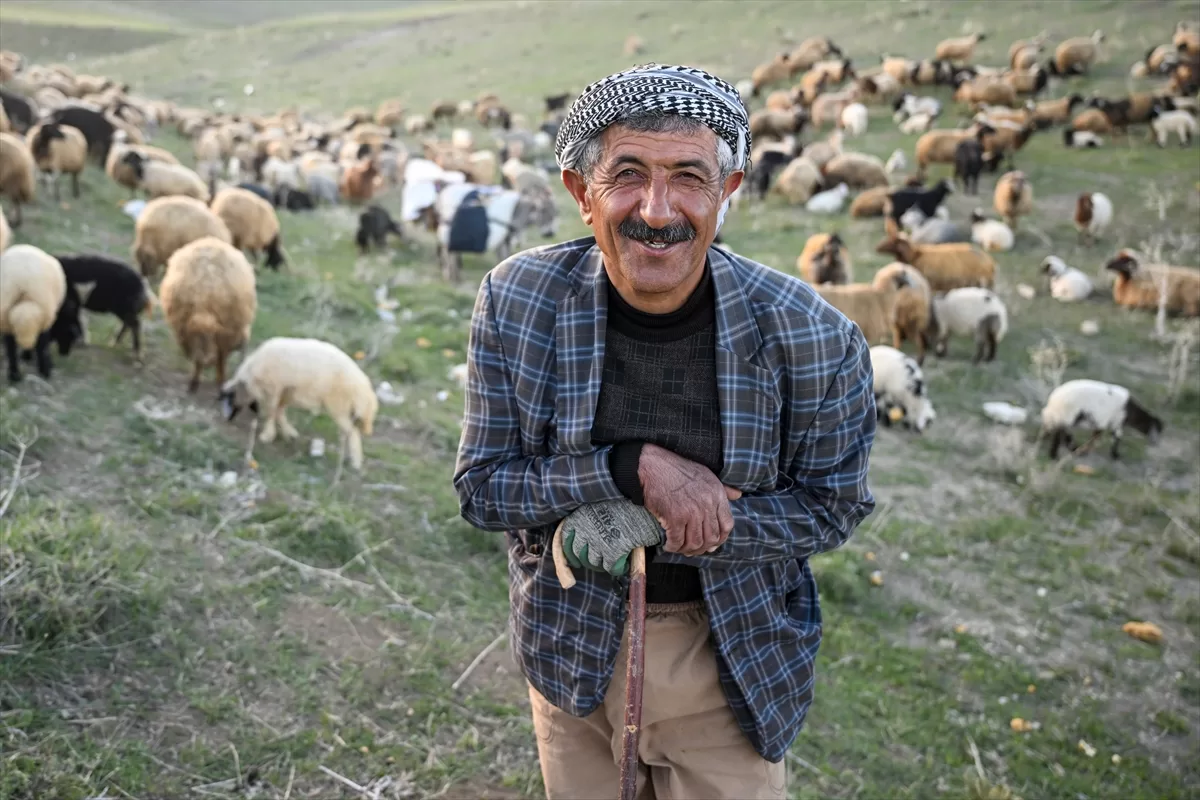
point(627, 173)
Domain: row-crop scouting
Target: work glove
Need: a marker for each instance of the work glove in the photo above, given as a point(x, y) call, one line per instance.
point(602, 535)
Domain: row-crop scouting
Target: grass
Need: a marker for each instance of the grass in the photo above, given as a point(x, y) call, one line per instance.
point(178, 619)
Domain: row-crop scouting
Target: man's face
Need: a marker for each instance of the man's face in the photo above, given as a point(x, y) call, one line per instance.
point(652, 205)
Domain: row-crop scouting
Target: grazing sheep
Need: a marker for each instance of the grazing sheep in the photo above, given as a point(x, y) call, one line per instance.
point(990, 234)
point(1081, 139)
point(1180, 123)
point(293, 199)
point(865, 304)
point(829, 201)
point(1037, 42)
point(98, 129)
point(251, 222)
point(968, 163)
point(1013, 197)
point(374, 224)
point(1075, 56)
point(208, 297)
point(939, 146)
point(970, 311)
point(358, 181)
point(912, 312)
point(871, 203)
point(825, 259)
point(57, 149)
point(1027, 81)
point(764, 169)
point(32, 291)
point(945, 266)
point(1067, 284)
point(108, 286)
point(939, 231)
point(899, 384)
point(854, 119)
point(160, 179)
point(798, 181)
point(908, 105)
point(1140, 285)
point(856, 170)
point(927, 72)
point(821, 152)
point(310, 374)
point(917, 123)
point(765, 123)
point(20, 112)
point(774, 71)
point(1093, 214)
point(1101, 407)
point(1004, 139)
point(898, 68)
point(1055, 112)
point(16, 174)
point(122, 172)
point(168, 223)
point(959, 48)
point(926, 200)
point(811, 51)
point(986, 91)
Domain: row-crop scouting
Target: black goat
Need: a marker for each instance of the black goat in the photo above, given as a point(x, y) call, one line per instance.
point(293, 199)
point(374, 224)
point(94, 126)
point(65, 330)
point(556, 102)
point(968, 163)
point(763, 172)
point(927, 200)
point(18, 109)
point(107, 285)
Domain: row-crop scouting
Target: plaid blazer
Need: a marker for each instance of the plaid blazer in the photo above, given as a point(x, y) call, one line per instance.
point(798, 420)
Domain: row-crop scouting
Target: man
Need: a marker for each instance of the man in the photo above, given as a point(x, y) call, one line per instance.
point(718, 396)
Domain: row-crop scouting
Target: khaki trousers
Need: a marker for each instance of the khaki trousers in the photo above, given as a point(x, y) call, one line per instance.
point(690, 747)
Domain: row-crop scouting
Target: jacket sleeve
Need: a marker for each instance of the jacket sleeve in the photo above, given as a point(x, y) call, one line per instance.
point(499, 488)
point(824, 494)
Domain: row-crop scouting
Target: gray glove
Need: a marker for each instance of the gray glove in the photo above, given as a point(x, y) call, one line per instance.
point(602, 535)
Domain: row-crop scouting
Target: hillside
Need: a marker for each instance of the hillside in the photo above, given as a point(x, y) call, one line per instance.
point(173, 617)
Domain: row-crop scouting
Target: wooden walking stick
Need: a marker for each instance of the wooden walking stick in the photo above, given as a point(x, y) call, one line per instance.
point(634, 674)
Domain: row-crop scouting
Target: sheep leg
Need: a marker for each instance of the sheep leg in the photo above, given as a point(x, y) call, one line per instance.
point(991, 343)
point(135, 331)
point(17, 218)
point(10, 356)
point(270, 404)
point(222, 356)
point(356, 450)
point(194, 383)
point(116, 340)
point(285, 427)
point(1055, 442)
point(920, 339)
point(75, 184)
point(42, 351)
point(1116, 445)
point(54, 184)
point(337, 473)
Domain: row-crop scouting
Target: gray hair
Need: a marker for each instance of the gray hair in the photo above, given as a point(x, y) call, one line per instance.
point(651, 122)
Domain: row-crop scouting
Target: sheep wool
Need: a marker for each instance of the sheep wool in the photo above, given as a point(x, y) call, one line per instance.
point(1067, 284)
point(310, 374)
point(911, 316)
point(57, 149)
point(990, 234)
point(167, 224)
point(209, 299)
point(1102, 407)
point(16, 173)
point(899, 382)
point(32, 289)
point(828, 202)
point(971, 311)
point(251, 222)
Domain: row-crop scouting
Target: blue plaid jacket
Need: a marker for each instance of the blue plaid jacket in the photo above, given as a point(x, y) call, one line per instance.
point(798, 421)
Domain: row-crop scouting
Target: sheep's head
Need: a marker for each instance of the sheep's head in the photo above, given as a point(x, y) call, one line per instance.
point(1124, 263)
point(1053, 265)
point(233, 398)
point(977, 216)
point(135, 161)
point(41, 143)
point(67, 328)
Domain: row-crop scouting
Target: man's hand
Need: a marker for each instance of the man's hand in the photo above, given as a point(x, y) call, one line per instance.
point(689, 501)
point(602, 535)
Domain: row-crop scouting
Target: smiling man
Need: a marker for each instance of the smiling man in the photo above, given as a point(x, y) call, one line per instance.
point(719, 406)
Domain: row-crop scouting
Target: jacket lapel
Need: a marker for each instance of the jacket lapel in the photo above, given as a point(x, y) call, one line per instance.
point(579, 349)
point(749, 397)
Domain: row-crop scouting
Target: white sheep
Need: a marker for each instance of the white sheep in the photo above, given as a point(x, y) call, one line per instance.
point(32, 289)
point(970, 311)
point(900, 389)
point(1067, 284)
point(160, 179)
point(854, 119)
point(990, 234)
point(1093, 214)
point(909, 105)
point(1081, 139)
point(917, 123)
point(1180, 123)
point(1096, 405)
point(896, 162)
point(310, 374)
point(829, 201)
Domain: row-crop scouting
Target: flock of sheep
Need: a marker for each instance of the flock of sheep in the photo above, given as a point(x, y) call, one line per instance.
point(201, 222)
point(940, 285)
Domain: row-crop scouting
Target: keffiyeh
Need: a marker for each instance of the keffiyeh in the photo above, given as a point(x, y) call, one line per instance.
point(685, 91)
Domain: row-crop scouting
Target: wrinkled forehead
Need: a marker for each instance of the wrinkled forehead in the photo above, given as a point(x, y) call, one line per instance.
point(673, 150)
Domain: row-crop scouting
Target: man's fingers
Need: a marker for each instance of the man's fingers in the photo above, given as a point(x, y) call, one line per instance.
point(724, 520)
point(675, 540)
point(732, 493)
point(697, 535)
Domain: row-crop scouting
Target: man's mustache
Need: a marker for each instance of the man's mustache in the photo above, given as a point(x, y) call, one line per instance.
point(636, 228)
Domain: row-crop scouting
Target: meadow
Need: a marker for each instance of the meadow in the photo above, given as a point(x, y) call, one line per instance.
point(177, 622)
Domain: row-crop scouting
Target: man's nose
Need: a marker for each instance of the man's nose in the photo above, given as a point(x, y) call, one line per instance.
point(656, 206)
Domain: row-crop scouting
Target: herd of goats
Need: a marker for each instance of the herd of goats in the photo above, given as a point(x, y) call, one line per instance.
point(207, 226)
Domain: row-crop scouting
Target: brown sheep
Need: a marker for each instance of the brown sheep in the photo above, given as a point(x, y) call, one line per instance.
point(898, 67)
point(358, 181)
point(1020, 45)
point(1093, 120)
point(781, 100)
point(945, 266)
point(868, 306)
point(57, 149)
point(958, 48)
point(1075, 55)
point(938, 146)
point(1004, 140)
point(1027, 81)
point(16, 174)
point(809, 52)
point(776, 124)
point(1025, 58)
point(825, 259)
point(856, 170)
point(912, 315)
point(1013, 197)
point(871, 203)
point(1139, 286)
point(1055, 112)
point(798, 181)
point(1187, 39)
point(774, 71)
point(166, 224)
point(823, 151)
point(252, 223)
point(989, 91)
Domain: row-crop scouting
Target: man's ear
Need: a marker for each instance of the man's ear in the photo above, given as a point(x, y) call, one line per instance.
point(579, 190)
point(732, 183)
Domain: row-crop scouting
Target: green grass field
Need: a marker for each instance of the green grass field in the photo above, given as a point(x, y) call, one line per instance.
point(174, 623)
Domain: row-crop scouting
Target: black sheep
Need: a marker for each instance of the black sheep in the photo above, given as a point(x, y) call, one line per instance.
point(66, 330)
point(763, 172)
point(374, 224)
point(259, 190)
point(968, 163)
point(107, 285)
point(927, 200)
point(18, 109)
point(293, 199)
point(40, 148)
point(94, 126)
point(556, 102)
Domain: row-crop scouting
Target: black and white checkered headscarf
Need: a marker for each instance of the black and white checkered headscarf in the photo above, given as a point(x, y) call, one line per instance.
point(685, 91)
